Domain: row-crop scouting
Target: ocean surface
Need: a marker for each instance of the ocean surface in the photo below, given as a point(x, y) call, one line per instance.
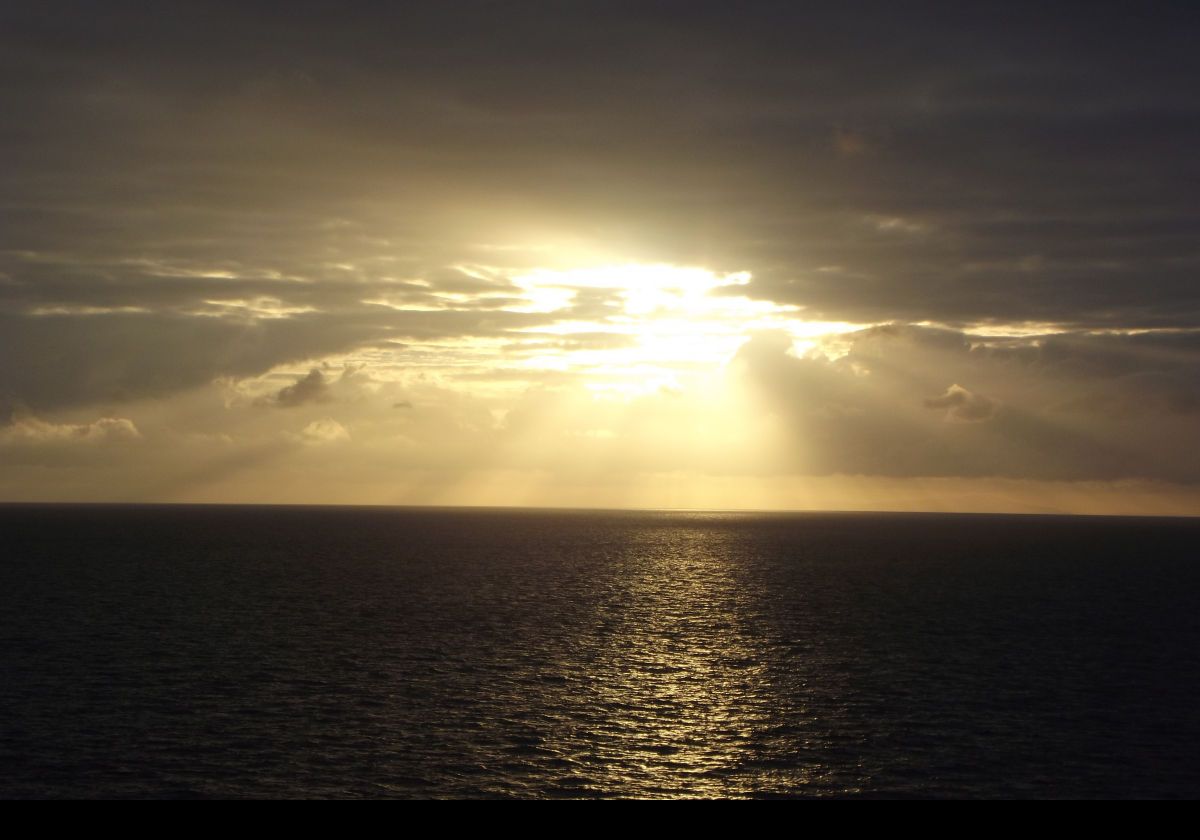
point(169, 652)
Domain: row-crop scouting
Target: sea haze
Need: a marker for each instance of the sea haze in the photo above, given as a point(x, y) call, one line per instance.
point(159, 651)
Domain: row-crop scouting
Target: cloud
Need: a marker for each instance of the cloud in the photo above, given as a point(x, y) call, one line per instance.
point(961, 404)
point(1069, 407)
point(53, 362)
point(28, 430)
point(324, 431)
point(312, 388)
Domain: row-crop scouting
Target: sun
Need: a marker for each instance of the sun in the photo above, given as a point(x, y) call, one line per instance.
point(630, 328)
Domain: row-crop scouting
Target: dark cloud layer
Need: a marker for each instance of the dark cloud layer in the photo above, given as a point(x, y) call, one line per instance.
point(1011, 163)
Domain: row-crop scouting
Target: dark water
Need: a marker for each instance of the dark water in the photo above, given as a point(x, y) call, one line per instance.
point(276, 652)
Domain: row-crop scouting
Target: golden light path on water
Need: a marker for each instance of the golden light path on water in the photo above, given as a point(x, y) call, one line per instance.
point(679, 698)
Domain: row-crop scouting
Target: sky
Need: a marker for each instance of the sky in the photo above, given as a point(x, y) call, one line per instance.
point(758, 255)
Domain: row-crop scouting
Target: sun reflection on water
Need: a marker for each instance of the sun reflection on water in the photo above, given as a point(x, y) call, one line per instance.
point(680, 692)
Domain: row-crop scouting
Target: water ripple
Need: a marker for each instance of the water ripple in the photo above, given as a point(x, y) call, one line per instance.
point(214, 652)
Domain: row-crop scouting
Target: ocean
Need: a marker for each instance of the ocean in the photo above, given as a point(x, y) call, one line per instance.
point(302, 652)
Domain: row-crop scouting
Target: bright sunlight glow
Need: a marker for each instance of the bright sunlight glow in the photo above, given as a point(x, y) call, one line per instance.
point(634, 328)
